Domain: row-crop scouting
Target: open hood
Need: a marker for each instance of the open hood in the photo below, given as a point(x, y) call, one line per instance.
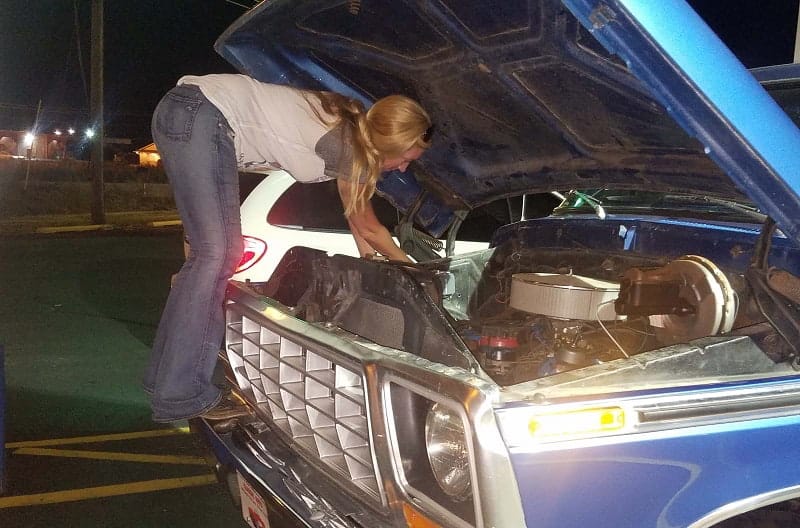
point(525, 98)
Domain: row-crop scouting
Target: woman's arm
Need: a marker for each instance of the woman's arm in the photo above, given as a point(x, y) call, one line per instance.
point(364, 249)
point(370, 235)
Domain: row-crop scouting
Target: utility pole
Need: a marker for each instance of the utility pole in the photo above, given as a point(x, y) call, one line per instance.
point(35, 132)
point(96, 104)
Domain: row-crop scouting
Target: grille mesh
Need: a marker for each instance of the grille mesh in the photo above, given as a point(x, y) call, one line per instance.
point(315, 401)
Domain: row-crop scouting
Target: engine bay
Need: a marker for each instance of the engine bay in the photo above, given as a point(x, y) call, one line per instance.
point(522, 313)
point(542, 321)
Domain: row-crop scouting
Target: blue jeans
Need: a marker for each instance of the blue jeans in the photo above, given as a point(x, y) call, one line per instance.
point(196, 147)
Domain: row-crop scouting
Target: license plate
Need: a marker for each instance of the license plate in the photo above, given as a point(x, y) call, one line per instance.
point(254, 510)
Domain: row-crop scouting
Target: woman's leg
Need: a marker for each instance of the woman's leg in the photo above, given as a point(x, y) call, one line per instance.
point(197, 150)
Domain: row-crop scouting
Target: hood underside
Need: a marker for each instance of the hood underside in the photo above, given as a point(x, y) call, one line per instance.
point(523, 97)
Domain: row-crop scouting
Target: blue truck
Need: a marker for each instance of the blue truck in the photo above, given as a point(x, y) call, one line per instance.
point(630, 360)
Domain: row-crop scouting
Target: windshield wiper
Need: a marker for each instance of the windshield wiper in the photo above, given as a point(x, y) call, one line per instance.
point(729, 204)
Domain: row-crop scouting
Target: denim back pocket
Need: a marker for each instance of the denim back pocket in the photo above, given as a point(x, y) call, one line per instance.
point(175, 114)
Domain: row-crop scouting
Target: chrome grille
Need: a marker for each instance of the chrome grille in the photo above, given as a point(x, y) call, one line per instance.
point(313, 398)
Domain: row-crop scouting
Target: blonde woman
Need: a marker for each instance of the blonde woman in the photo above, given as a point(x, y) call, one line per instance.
point(208, 128)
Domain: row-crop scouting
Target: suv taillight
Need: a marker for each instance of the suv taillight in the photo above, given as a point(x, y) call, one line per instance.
point(254, 249)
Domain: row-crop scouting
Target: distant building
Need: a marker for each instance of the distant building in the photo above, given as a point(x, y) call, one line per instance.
point(39, 146)
point(149, 156)
point(8, 143)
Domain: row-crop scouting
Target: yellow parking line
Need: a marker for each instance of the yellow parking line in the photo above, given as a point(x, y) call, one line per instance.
point(130, 488)
point(111, 455)
point(98, 438)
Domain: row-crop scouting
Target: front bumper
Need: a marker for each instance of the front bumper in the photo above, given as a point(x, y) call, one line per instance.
point(279, 476)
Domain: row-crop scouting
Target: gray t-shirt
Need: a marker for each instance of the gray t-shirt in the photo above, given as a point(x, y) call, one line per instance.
point(275, 127)
point(335, 149)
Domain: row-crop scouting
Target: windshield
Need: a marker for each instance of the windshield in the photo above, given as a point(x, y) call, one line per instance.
point(625, 202)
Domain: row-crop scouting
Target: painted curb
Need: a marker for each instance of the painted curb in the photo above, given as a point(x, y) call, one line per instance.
point(165, 223)
point(66, 229)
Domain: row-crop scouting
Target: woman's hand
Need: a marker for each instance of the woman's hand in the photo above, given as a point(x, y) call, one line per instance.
point(370, 235)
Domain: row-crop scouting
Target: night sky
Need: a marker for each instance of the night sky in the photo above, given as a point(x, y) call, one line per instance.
point(149, 44)
point(759, 32)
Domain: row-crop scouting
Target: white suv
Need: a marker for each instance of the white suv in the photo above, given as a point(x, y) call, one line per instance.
point(279, 213)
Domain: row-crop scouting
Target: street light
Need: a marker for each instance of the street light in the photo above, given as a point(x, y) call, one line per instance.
point(90, 133)
point(28, 139)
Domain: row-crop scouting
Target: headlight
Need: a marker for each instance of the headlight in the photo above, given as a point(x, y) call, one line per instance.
point(447, 451)
point(433, 454)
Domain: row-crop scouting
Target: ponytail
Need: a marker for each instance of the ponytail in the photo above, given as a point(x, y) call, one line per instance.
point(391, 127)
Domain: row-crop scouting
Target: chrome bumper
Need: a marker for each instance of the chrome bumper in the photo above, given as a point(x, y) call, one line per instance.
point(281, 478)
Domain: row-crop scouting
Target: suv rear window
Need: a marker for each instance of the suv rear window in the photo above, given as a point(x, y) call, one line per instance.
point(318, 206)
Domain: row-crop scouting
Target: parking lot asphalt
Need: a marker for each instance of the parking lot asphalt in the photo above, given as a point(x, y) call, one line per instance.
point(78, 316)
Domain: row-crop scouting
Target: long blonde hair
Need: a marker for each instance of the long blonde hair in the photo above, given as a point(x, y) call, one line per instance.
point(391, 127)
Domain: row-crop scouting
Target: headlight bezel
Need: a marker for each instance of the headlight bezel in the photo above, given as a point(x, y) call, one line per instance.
point(409, 404)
